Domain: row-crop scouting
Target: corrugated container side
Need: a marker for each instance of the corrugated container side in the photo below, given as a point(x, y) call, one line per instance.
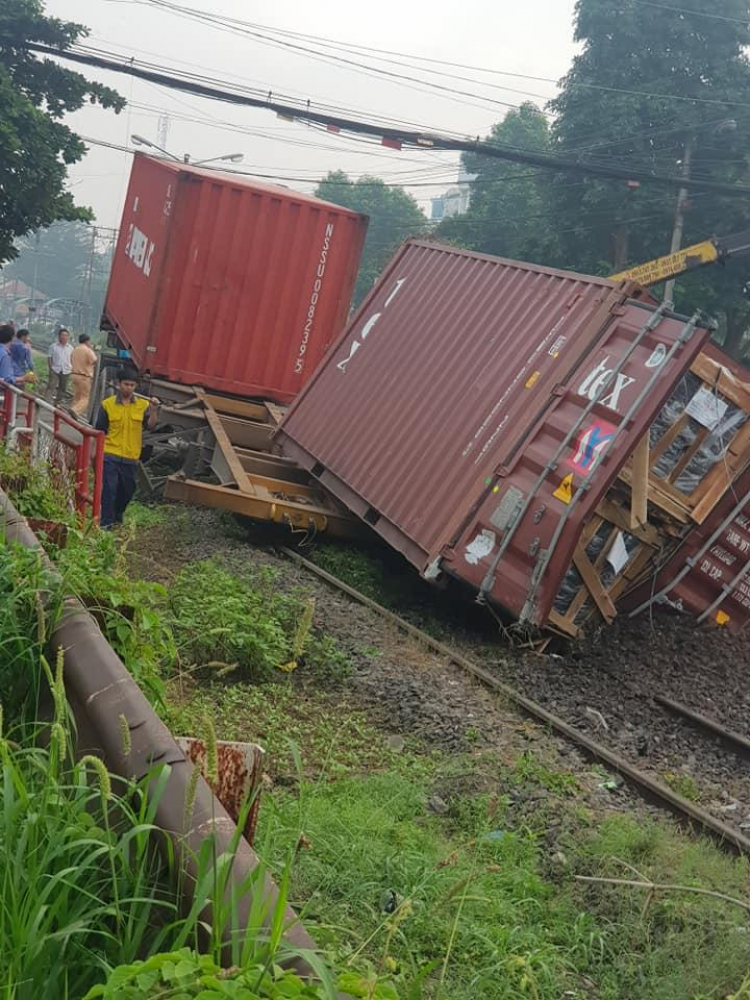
point(246, 285)
point(460, 376)
point(450, 360)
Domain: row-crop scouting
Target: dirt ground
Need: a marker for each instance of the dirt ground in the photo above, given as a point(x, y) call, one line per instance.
point(409, 692)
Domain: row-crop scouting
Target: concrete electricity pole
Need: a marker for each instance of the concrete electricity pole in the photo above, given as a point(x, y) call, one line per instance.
point(679, 218)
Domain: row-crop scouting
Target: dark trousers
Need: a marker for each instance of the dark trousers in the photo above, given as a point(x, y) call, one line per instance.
point(118, 487)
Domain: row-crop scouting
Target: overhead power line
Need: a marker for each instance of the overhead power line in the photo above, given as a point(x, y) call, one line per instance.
point(693, 13)
point(254, 30)
point(396, 136)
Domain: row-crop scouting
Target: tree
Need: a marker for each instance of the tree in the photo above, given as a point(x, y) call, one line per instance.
point(394, 216)
point(65, 261)
point(508, 213)
point(35, 146)
point(651, 84)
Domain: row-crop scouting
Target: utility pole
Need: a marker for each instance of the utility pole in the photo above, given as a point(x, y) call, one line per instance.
point(679, 218)
point(32, 307)
point(162, 129)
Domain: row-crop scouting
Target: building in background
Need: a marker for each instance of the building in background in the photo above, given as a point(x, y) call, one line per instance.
point(456, 199)
point(19, 301)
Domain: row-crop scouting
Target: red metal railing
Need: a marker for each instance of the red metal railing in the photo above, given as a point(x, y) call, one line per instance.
point(53, 438)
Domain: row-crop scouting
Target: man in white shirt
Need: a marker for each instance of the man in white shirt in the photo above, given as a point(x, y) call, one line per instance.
point(60, 360)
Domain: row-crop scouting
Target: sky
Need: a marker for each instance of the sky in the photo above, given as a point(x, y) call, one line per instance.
point(533, 38)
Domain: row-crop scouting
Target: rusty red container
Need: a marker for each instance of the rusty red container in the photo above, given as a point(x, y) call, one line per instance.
point(708, 576)
point(464, 415)
point(226, 283)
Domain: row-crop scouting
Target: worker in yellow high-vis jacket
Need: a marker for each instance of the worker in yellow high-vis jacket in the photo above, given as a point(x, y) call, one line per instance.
point(122, 418)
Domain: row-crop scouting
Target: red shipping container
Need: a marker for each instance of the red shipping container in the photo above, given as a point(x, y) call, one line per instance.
point(476, 410)
point(708, 576)
point(226, 283)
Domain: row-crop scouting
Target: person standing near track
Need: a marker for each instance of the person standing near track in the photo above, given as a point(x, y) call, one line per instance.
point(59, 358)
point(20, 354)
point(83, 364)
point(122, 418)
point(7, 373)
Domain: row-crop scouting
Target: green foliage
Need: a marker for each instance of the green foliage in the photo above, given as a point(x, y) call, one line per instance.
point(80, 888)
point(36, 147)
point(249, 623)
point(509, 210)
point(394, 216)
point(36, 491)
point(185, 974)
point(218, 617)
point(130, 612)
point(609, 110)
point(82, 892)
point(25, 622)
point(480, 910)
point(333, 740)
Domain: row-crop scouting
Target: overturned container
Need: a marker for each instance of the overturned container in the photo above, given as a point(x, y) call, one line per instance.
point(222, 282)
point(478, 412)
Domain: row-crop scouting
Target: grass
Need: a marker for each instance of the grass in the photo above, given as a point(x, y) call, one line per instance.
point(330, 740)
point(484, 893)
point(84, 897)
point(475, 899)
point(483, 909)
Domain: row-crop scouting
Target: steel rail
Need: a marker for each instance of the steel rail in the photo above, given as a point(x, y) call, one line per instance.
point(740, 744)
point(651, 789)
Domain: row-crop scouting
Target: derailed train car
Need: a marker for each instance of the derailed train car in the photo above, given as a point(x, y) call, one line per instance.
point(548, 438)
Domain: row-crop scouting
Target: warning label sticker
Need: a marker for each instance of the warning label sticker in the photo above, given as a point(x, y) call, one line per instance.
point(564, 491)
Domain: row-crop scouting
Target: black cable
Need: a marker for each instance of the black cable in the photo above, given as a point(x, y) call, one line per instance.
point(415, 139)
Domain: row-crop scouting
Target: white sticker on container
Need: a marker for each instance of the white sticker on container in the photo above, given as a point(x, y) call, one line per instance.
point(480, 547)
point(618, 555)
point(706, 408)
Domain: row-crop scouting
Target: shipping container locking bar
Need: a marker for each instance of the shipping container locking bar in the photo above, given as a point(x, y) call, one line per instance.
point(527, 614)
point(692, 562)
point(488, 583)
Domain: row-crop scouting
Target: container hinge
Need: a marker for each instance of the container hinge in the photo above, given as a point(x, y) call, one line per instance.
point(433, 571)
point(534, 547)
point(151, 350)
point(539, 513)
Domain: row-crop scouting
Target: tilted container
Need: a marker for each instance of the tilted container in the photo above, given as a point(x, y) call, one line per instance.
point(230, 284)
point(477, 410)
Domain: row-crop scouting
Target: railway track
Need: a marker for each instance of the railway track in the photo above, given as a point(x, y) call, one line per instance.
point(730, 839)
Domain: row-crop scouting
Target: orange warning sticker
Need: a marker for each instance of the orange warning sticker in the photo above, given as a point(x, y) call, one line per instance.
point(564, 491)
point(533, 379)
point(722, 618)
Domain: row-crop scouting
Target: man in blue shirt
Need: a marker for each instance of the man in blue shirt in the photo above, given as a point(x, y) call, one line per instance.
point(6, 363)
point(20, 354)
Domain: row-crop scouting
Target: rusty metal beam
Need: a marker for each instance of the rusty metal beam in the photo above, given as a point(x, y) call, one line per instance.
point(274, 466)
point(301, 517)
point(246, 433)
point(237, 407)
point(224, 446)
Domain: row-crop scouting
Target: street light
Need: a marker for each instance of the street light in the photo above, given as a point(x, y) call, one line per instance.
point(232, 157)
point(139, 140)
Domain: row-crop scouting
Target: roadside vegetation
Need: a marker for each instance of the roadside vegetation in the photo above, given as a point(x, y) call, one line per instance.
point(421, 873)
